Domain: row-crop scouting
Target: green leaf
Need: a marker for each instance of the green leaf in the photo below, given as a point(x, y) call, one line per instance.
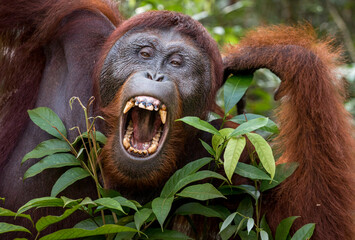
point(70, 202)
point(234, 89)
point(201, 192)
point(125, 202)
point(208, 148)
point(264, 235)
point(265, 226)
point(249, 171)
point(227, 221)
point(46, 221)
point(141, 216)
point(250, 224)
point(244, 235)
point(240, 189)
point(217, 140)
point(93, 223)
point(73, 233)
point(108, 192)
point(190, 168)
point(88, 201)
point(207, 211)
point(48, 147)
point(245, 208)
point(269, 127)
point(232, 154)
point(41, 202)
point(161, 208)
point(109, 203)
point(46, 119)
point(264, 152)
point(7, 227)
point(197, 177)
point(228, 232)
point(124, 235)
point(249, 126)
point(157, 234)
point(7, 213)
point(304, 232)
point(53, 161)
point(100, 137)
point(199, 124)
point(68, 178)
point(240, 225)
point(283, 171)
point(283, 229)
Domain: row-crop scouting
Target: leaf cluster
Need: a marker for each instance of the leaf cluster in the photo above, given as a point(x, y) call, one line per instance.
point(200, 183)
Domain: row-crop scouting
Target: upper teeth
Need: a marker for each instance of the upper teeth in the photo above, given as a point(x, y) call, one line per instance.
point(149, 104)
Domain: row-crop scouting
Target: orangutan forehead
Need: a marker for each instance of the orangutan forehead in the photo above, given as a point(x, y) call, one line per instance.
point(168, 36)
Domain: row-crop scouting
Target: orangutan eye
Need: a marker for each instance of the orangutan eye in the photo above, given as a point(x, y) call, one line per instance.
point(146, 52)
point(176, 60)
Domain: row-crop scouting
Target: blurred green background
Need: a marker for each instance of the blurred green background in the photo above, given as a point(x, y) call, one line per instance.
point(228, 20)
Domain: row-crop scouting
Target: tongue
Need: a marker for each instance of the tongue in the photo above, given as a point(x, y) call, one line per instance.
point(145, 126)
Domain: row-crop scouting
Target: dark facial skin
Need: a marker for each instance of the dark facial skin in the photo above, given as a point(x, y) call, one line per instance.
point(166, 66)
point(157, 52)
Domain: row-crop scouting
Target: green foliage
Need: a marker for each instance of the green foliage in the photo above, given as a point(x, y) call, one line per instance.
point(7, 227)
point(48, 121)
point(234, 89)
point(112, 216)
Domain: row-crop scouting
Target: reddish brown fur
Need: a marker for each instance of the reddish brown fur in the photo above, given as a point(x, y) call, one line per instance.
point(25, 27)
point(113, 177)
point(315, 128)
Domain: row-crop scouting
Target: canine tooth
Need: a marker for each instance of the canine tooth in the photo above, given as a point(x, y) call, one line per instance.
point(153, 148)
point(128, 106)
point(126, 143)
point(163, 114)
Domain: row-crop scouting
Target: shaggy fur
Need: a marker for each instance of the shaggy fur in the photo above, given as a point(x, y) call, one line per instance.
point(26, 27)
point(315, 128)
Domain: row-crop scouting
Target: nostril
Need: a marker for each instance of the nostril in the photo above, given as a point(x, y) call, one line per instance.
point(149, 76)
point(160, 79)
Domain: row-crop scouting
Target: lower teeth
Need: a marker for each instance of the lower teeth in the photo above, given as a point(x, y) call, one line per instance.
point(127, 142)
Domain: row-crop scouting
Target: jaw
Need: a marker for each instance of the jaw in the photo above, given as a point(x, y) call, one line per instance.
point(141, 152)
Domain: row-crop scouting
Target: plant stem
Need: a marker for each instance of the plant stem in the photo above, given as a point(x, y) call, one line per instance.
point(65, 139)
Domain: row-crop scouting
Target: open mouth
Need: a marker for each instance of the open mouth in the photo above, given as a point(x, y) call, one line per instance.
point(144, 125)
